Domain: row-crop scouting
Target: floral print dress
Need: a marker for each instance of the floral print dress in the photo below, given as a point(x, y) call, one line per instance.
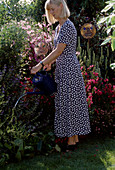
point(71, 116)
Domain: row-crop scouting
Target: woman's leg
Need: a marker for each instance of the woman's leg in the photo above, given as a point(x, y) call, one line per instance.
point(76, 138)
point(71, 140)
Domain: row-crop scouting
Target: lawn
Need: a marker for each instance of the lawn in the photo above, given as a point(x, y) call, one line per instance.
point(92, 154)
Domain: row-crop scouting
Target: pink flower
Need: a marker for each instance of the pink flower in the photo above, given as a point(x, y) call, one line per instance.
point(89, 88)
point(96, 111)
point(44, 15)
point(96, 74)
point(90, 94)
point(77, 53)
point(89, 82)
point(40, 25)
point(44, 24)
point(28, 79)
point(81, 67)
point(93, 81)
point(28, 26)
point(22, 83)
point(113, 102)
point(106, 80)
point(91, 66)
point(42, 97)
point(109, 85)
point(30, 58)
point(48, 29)
point(25, 28)
point(32, 46)
point(99, 92)
point(97, 79)
point(49, 25)
point(95, 88)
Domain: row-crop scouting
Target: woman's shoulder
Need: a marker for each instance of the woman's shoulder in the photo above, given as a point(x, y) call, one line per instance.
point(69, 25)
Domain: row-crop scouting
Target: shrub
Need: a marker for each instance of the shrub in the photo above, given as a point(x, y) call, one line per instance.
point(23, 129)
point(12, 38)
point(100, 98)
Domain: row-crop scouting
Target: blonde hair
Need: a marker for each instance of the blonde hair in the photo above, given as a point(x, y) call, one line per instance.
point(65, 12)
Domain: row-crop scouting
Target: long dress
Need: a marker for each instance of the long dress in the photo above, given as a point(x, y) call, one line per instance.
point(71, 115)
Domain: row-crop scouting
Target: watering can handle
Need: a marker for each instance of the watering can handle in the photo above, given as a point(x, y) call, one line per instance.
point(41, 71)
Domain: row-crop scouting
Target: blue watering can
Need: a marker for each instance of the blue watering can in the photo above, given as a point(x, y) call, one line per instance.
point(44, 82)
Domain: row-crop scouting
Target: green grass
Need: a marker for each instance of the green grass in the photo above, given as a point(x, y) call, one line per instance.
point(92, 154)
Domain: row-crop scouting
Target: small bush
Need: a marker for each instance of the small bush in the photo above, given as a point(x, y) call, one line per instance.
point(100, 98)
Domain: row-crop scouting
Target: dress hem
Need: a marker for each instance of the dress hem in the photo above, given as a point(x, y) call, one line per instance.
point(72, 135)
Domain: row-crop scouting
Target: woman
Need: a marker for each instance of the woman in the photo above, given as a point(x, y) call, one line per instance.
point(71, 117)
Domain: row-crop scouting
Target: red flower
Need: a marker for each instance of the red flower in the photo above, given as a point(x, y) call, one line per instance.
point(81, 67)
point(106, 80)
point(99, 92)
point(96, 111)
point(113, 102)
point(42, 97)
point(28, 79)
point(96, 74)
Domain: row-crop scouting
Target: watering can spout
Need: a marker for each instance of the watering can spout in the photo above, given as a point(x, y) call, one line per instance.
point(34, 92)
point(18, 100)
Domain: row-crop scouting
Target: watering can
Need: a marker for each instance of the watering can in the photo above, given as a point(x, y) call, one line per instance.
point(44, 82)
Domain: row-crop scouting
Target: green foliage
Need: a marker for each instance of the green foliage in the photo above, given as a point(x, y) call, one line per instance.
point(27, 130)
point(109, 19)
point(3, 13)
point(86, 11)
point(100, 92)
point(13, 36)
point(23, 129)
point(38, 10)
point(14, 10)
point(12, 41)
point(90, 7)
point(12, 136)
point(102, 62)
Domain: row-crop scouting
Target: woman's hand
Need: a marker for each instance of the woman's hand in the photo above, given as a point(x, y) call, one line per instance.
point(48, 66)
point(36, 68)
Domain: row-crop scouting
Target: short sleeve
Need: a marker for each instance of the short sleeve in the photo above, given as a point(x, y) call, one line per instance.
point(66, 34)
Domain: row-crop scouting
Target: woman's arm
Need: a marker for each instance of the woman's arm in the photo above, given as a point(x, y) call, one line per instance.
point(52, 56)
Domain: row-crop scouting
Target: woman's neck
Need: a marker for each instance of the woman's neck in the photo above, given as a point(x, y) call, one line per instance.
point(61, 21)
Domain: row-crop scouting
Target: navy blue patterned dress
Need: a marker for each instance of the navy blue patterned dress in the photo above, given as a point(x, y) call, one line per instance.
point(71, 116)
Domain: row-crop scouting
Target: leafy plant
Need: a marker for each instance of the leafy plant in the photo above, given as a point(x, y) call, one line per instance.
point(20, 128)
point(100, 98)
point(109, 19)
